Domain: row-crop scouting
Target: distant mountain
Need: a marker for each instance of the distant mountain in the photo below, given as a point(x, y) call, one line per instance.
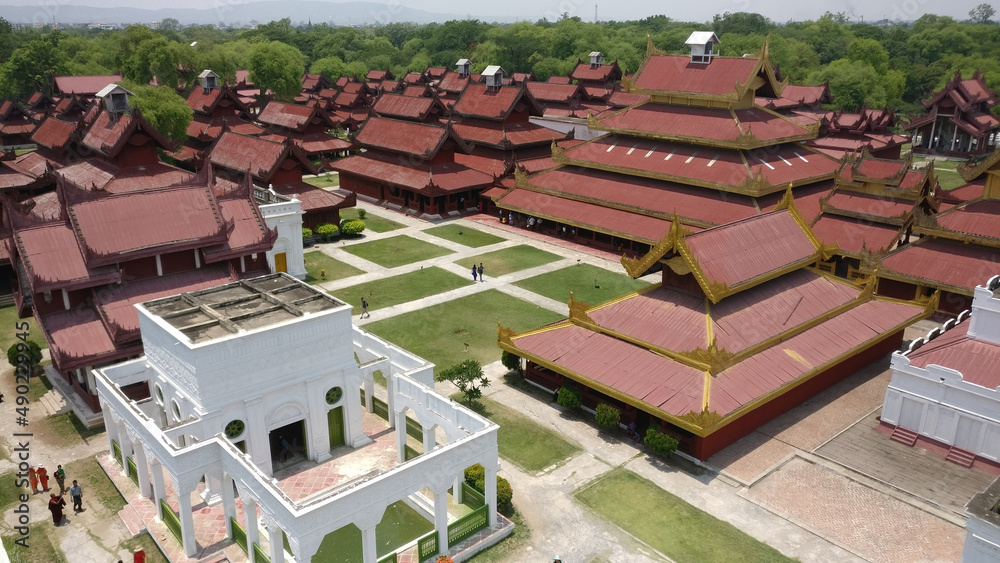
point(232, 13)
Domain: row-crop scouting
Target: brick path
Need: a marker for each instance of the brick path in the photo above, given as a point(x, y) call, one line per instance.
point(858, 518)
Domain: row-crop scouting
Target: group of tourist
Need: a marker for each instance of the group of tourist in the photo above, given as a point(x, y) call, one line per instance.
point(478, 271)
point(38, 479)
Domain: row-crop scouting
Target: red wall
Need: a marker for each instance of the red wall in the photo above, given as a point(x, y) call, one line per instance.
point(138, 269)
point(177, 262)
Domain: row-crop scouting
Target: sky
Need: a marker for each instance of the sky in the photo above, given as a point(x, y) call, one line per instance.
point(778, 10)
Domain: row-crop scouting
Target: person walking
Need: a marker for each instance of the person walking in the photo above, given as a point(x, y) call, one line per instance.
point(43, 478)
point(60, 476)
point(482, 278)
point(33, 479)
point(76, 492)
point(56, 504)
point(364, 308)
point(474, 272)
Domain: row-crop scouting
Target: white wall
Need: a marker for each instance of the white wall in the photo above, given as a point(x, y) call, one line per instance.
point(287, 218)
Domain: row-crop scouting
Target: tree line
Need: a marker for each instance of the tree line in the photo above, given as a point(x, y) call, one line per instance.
point(894, 65)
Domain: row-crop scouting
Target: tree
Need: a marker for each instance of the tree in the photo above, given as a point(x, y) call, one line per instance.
point(569, 396)
point(659, 443)
point(330, 67)
point(510, 361)
point(31, 68)
point(743, 23)
point(468, 376)
point(27, 354)
point(869, 51)
point(167, 112)
point(170, 24)
point(982, 13)
point(607, 417)
point(277, 67)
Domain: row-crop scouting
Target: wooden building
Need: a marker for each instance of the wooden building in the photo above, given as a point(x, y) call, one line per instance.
point(958, 121)
point(308, 126)
point(217, 108)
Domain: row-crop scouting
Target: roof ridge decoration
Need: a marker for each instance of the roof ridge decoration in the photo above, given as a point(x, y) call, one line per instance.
point(635, 267)
point(973, 168)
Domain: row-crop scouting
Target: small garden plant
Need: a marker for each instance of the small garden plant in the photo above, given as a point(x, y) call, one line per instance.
point(607, 416)
point(353, 227)
point(475, 477)
point(570, 397)
point(468, 376)
point(662, 445)
point(327, 231)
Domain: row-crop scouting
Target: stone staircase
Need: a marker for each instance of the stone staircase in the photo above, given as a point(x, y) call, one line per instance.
point(53, 403)
point(961, 457)
point(904, 436)
point(132, 521)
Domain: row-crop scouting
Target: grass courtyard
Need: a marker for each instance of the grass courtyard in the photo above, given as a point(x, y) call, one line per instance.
point(396, 251)
point(400, 525)
point(327, 180)
point(386, 292)
point(464, 235)
point(321, 268)
point(590, 284)
point(523, 442)
point(373, 222)
point(508, 260)
point(439, 333)
point(9, 328)
point(669, 524)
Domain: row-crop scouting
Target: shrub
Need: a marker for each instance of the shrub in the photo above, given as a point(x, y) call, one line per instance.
point(468, 376)
point(570, 397)
point(608, 416)
point(327, 231)
point(362, 213)
point(659, 443)
point(475, 476)
point(444, 559)
point(510, 361)
point(27, 353)
point(306, 233)
point(352, 227)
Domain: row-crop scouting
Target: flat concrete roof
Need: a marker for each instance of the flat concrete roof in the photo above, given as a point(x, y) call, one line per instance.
point(221, 311)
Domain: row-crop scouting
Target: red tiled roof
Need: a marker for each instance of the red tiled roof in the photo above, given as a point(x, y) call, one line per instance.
point(451, 82)
point(558, 80)
point(317, 199)
point(613, 363)
point(797, 95)
point(624, 99)
point(954, 264)
point(416, 90)
point(86, 85)
point(478, 101)
point(980, 218)
point(289, 116)
point(115, 227)
point(968, 192)
point(116, 303)
point(53, 260)
point(867, 204)
point(692, 203)
point(698, 124)
point(810, 350)
point(241, 153)
point(405, 137)
point(736, 253)
point(547, 92)
point(603, 73)
point(77, 338)
point(35, 163)
point(976, 360)
point(507, 135)
point(379, 75)
point(851, 234)
point(537, 164)
point(201, 101)
point(322, 143)
point(400, 171)
point(13, 179)
point(99, 175)
point(587, 215)
point(107, 136)
point(209, 129)
point(724, 167)
point(54, 134)
point(403, 106)
point(46, 206)
point(676, 73)
point(487, 161)
point(880, 169)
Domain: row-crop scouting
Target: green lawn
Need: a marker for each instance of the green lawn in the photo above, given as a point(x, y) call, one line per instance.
point(396, 251)
point(9, 330)
point(327, 180)
point(668, 524)
point(504, 261)
point(523, 442)
point(64, 430)
point(464, 235)
point(509, 546)
point(145, 541)
point(97, 487)
point(374, 223)
point(589, 284)
point(394, 290)
point(439, 333)
point(949, 179)
point(400, 525)
point(317, 261)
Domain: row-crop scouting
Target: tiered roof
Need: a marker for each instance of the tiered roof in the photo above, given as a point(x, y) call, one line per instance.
point(84, 85)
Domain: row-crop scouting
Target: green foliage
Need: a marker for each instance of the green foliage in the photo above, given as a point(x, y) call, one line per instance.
point(607, 416)
point(277, 67)
point(569, 396)
point(659, 443)
point(362, 213)
point(510, 361)
point(353, 227)
point(468, 376)
point(330, 67)
point(143, 55)
point(327, 231)
point(28, 353)
point(31, 68)
point(306, 232)
point(166, 111)
point(854, 84)
point(982, 13)
point(475, 477)
point(743, 23)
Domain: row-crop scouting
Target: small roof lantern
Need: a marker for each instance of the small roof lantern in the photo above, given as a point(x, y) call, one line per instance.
point(595, 59)
point(209, 80)
point(464, 66)
point(115, 98)
point(702, 45)
point(493, 75)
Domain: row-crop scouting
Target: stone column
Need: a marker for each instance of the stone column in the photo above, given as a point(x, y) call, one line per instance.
point(369, 548)
point(441, 518)
point(276, 539)
point(253, 530)
point(111, 427)
point(390, 396)
point(429, 439)
point(142, 467)
point(399, 420)
point(369, 393)
point(212, 488)
point(258, 447)
point(187, 519)
point(317, 427)
point(228, 503)
point(159, 488)
point(304, 548)
point(490, 487)
point(126, 445)
point(456, 489)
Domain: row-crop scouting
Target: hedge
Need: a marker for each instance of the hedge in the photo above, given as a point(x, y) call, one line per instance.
point(352, 227)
